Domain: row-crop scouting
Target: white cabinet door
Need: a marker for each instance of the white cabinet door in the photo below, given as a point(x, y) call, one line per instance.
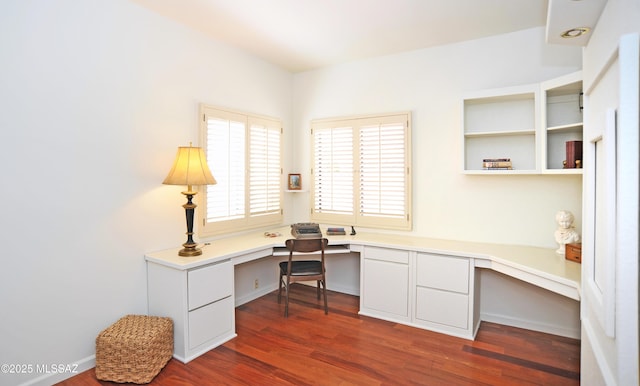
point(385, 275)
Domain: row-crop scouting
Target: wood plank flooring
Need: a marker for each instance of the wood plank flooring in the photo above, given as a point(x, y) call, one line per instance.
point(343, 348)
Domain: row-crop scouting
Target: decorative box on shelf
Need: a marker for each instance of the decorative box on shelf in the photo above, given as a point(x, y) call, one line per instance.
point(574, 155)
point(573, 252)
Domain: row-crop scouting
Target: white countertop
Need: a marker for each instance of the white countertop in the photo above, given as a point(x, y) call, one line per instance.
point(538, 266)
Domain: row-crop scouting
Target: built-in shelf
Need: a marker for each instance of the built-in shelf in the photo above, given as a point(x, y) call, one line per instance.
point(528, 124)
point(575, 127)
point(500, 124)
point(562, 121)
point(563, 171)
point(499, 133)
point(500, 172)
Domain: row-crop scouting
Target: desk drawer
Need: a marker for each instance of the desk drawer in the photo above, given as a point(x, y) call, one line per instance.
point(210, 283)
point(385, 254)
point(443, 272)
point(210, 322)
point(446, 308)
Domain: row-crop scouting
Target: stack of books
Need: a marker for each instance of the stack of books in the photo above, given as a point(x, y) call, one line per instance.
point(496, 164)
point(335, 231)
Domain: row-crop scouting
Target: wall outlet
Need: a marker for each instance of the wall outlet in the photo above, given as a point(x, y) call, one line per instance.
point(256, 284)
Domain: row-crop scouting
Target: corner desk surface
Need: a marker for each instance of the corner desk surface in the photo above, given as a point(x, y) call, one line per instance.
point(538, 266)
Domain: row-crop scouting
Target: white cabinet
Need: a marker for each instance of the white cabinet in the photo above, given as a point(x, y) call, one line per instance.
point(198, 300)
point(384, 282)
point(562, 118)
point(444, 294)
point(529, 125)
point(431, 291)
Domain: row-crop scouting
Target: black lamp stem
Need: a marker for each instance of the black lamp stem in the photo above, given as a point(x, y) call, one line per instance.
point(189, 209)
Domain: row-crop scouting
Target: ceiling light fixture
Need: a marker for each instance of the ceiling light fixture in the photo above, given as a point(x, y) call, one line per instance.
point(575, 32)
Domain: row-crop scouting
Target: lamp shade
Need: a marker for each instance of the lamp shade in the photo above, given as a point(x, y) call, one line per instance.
point(190, 168)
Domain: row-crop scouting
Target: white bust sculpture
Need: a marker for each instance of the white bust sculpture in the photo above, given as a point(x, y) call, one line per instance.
point(566, 233)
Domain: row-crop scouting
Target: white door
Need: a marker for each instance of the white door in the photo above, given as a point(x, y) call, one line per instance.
point(609, 308)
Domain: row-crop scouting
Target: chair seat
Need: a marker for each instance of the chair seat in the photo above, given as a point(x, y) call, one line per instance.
point(302, 267)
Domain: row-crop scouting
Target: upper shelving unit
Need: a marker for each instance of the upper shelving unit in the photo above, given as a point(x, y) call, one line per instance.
point(562, 113)
point(529, 125)
point(500, 124)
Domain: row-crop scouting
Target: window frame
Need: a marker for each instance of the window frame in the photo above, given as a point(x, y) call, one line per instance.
point(356, 217)
point(248, 220)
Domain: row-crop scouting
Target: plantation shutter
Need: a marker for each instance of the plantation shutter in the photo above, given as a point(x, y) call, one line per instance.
point(264, 168)
point(333, 166)
point(226, 158)
point(383, 169)
point(243, 153)
point(361, 171)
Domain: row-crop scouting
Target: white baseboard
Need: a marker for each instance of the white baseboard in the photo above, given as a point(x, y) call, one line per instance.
point(254, 294)
point(531, 325)
point(265, 290)
point(345, 289)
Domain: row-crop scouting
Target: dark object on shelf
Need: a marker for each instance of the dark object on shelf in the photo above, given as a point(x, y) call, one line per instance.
point(574, 153)
point(336, 231)
point(353, 231)
point(573, 252)
point(306, 230)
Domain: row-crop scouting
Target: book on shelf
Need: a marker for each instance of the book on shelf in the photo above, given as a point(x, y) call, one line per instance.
point(334, 231)
point(497, 164)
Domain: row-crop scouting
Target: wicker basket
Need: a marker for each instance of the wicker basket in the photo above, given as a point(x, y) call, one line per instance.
point(134, 349)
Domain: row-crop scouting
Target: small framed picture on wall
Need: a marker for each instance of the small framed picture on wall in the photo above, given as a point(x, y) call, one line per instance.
point(294, 182)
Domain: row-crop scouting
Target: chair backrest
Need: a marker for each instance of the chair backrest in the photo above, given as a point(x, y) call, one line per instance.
point(307, 245)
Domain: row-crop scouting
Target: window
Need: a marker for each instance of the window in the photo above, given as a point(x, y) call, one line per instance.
point(361, 171)
point(243, 152)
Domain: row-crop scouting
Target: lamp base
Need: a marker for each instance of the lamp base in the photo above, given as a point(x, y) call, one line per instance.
point(190, 247)
point(190, 250)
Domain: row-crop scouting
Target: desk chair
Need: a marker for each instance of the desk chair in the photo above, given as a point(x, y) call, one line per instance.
point(292, 270)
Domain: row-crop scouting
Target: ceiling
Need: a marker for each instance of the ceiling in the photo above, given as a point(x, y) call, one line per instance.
point(300, 35)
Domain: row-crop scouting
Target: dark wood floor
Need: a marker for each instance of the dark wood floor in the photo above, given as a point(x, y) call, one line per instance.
point(343, 348)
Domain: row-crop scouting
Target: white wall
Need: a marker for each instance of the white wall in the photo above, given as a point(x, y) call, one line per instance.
point(430, 83)
point(501, 301)
point(96, 96)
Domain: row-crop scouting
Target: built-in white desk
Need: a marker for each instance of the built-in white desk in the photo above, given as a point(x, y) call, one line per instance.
point(422, 282)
